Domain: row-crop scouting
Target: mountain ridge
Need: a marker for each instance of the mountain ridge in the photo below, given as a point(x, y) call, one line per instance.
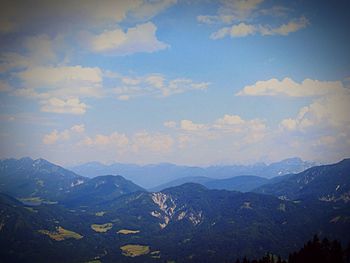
point(151, 176)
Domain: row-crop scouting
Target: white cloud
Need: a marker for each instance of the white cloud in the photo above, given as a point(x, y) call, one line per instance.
point(139, 142)
point(207, 19)
point(241, 17)
point(170, 124)
point(285, 29)
point(221, 33)
point(288, 87)
point(124, 97)
point(155, 85)
point(78, 128)
point(230, 120)
point(326, 114)
point(237, 10)
point(156, 142)
point(59, 89)
point(71, 106)
point(61, 77)
point(65, 135)
point(242, 30)
point(141, 38)
point(51, 138)
point(114, 139)
point(231, 11)
point(62, 82)
point(150, 8)
point(188, 125)
point(230, 128)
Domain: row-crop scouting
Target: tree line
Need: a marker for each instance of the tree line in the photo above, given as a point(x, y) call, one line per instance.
point(314, 251)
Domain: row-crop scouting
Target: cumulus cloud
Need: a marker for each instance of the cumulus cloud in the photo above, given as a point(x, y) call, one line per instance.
point(240, 30)
point(231, 128)
point(139, 142)
point(241, 18)
point(229, 11)
point(114, 139)
point(70, 106)
point(288, 87)
point(78, 128)
point(59, 89)
point(320, 130)
point(156, 142)
point(285, 29)
point(141, 38)
point(327, 114)
point(155, 85)
point(51, 138)
point(65, 135)
point(62, 77)
point(170, 124)
point(243, 29)
point(188, 125)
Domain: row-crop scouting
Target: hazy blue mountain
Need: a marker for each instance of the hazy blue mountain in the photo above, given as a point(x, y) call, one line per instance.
point(150, 176)
point(244, 183)
point(101, 188)
point(291, 165)
point(186, 223)
point(27, 178)
point(326, 182)
point(206, 226)
point(190, 179)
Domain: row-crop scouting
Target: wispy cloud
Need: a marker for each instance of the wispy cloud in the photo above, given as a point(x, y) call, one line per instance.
point(241, 20)
point(155, 85)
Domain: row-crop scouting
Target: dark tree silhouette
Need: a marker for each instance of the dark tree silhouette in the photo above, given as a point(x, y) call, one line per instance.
point(314, 251)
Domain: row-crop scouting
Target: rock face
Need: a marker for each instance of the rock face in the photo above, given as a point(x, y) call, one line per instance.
point(168, 210)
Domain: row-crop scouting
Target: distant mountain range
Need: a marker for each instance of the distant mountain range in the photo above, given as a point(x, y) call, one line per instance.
point(327, 183)
point(111, 219)
point(151, 176)
point(244, 183)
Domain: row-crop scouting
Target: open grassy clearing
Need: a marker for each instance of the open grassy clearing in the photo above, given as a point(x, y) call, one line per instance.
point(134, 250)
point(102, 228)
point(128, 231)
point(61, 234)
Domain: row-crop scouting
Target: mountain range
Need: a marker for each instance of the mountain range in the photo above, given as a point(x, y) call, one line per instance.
point(71, 218)
point(151, 176)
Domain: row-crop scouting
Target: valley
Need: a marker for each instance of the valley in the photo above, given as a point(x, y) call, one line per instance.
point(111, 219)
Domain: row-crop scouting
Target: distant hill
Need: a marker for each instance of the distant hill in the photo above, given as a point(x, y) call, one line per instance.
point(150, 176)
point(239, 183)
point(244, 183)
point(327, 183)
point(190, 179)
point(98, 189)
point(27, 178)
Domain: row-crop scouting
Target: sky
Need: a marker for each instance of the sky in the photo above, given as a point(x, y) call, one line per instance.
point(185, 82)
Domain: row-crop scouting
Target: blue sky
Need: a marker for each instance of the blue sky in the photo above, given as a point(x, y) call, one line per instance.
point(187, 82)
